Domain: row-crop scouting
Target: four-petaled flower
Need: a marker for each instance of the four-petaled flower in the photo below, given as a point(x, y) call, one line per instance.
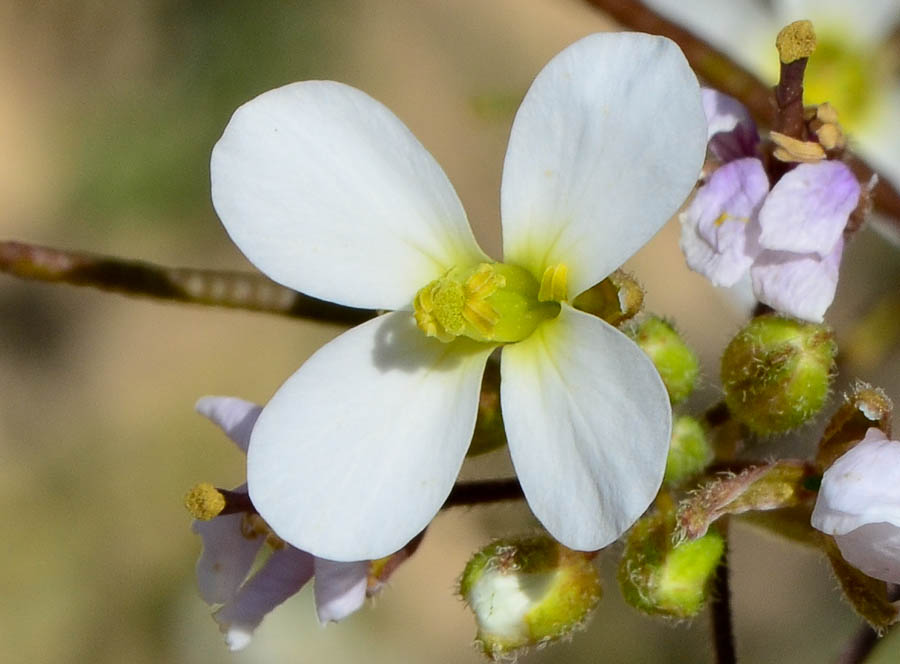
point(859, 505)
point(789, 238)
point(232, 542)
point(327, 192)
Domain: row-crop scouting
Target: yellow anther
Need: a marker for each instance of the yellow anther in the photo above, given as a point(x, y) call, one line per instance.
point(204, 502)
point(795, 41)
point(794, 150)
point(722, 218)
point(826, 113)
point(554, 284)
point(253, 526)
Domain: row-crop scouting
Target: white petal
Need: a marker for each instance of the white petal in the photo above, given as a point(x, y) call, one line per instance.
point(285, 572)
point(808, 208)
point(327, 192)
point(588, 422)
point(606, 146)
point(226, 559)
point(800, 285)
point(861, 487)
point(234, 416)
point(340, 588)
point(357, 451)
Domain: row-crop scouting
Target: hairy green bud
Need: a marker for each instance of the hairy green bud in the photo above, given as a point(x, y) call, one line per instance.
point(689, 453)
point(776, 373)
point(526, 592)
point(661, 577)
point(676, 363)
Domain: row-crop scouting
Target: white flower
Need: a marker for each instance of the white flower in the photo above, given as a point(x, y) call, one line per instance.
point(859, 505)
point(852, 67)
point(232, 542)
point(329, 193)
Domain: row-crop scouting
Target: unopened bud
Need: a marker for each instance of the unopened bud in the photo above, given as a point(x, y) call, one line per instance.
point(676, 363)
point(689, 453)
point(776, 373)
point(616, 299)
point(527, 592)
point(661, 577)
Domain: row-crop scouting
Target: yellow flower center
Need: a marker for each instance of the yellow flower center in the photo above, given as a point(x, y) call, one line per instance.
point(490, 302)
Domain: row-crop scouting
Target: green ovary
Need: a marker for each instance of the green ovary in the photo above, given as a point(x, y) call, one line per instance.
point(490, 302)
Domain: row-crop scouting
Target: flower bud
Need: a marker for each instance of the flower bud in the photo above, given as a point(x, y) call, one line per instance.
point(689, 453)
point(616, 299)
point(527, 592)
point(676, 362)
point(859, 505)
point(776, 373)
point(660, 577)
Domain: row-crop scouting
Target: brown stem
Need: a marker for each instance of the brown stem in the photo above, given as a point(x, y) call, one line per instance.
point(724, 74)
point(789, 100)
point(720, 609)
point(236, 290)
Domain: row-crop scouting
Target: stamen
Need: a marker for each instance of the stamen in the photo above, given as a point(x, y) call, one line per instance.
point(204, 502)
point(794, 150)
point(722, 218)
point(554, 284)
point(253, 526)
point(477, 311)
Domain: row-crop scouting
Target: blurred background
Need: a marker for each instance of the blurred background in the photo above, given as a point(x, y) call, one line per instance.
point(107, 122)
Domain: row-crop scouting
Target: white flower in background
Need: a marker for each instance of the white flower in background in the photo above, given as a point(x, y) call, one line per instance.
point(859, 505)
point(232, 542)
point(327, 192)
point(853, 68)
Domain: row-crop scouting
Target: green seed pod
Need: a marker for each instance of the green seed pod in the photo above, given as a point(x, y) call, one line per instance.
point(776, 373)
point(689, 453)
point(676, 362)
point(527, 592)
point(661, 578)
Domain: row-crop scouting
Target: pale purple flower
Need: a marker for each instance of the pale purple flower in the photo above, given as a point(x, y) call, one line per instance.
point(789, 237)
point(731, 131)
point(859, 505)
point(232, 542)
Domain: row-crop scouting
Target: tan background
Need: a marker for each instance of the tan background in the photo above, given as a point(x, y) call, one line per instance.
point(108, 114)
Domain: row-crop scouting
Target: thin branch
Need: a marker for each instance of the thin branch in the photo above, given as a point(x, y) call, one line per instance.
point(720, 610)
point(726, 75)
point(236, 290)
point(483, 492)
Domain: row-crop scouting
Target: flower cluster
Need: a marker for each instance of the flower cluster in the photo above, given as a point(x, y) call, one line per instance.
point(789, 235)
point(327, 192)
